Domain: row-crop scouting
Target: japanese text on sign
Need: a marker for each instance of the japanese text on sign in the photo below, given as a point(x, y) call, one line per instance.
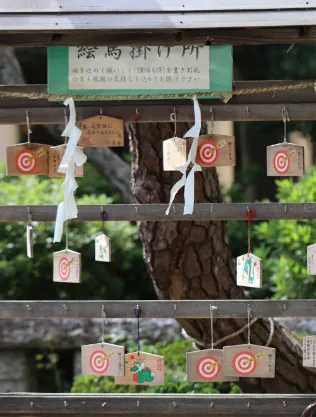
point(139, 67)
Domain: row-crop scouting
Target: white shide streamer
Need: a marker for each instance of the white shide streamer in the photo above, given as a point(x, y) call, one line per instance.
point(188, 182)
point(73, 155)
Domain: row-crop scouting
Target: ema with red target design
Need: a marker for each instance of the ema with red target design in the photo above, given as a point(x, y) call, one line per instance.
point(99, 362)
point(207, 152)
point(208, 368)
point(281, 162)
point(26, 161)
point(64, 269)
point(244, 363)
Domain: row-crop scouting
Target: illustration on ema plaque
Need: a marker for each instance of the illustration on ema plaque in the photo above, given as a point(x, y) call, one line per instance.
point(142, 369)
point(249, 271)
point(67, 266)
point(216, 150)
point(206, 366)
point(285, 159)
point(27, 158)
point(102, 359)
point(249, 361)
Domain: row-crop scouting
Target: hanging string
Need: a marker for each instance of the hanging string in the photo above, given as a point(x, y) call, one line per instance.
point(103, 322)
point(212, 308)
point(250, 214)
point(212, 121)
point(66, 230)
point(137, 313)
point(173, 118)
point(285, 117)
point(103, 218)
point(249, 314)
point(28, 127)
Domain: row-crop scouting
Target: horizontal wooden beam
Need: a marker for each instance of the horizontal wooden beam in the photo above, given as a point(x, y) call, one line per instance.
point(155, 404)
point(224, 36)
point(177, 309)
point(156, 212)
point(300, 104)
point(56, 21)
point(95, 6)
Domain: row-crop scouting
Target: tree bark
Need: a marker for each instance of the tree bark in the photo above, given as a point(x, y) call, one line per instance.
point(191, 260)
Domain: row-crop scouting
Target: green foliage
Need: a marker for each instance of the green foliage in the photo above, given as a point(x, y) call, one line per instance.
point(175, 374)
point(22, 278)
point(282, 243)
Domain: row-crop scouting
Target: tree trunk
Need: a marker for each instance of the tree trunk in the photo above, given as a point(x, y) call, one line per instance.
point(191, 260)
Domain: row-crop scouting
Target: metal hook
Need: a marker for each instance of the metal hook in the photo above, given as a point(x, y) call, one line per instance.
point(29, 215)
point(212, 120)
point(247, 109)
point(101, 112)
point(137, 112)
point(175, 307)
point(173, 118)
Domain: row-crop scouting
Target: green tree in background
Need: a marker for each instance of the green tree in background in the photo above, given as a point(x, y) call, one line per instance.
point(22, 278)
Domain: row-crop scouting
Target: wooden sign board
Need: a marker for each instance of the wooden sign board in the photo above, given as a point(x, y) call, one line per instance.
point(309, 351)
point(142, 369)
point(311, 259)
point(100, 131)
point(249, 271)
point(27, 159)
point(55, 156)
point(206, 366)
point(102, 359)
point(174, 153)
point(128, 70)
point(103, 248)
point(250, 361)
point(216, 150)
point(67, 266)
point(285, 159)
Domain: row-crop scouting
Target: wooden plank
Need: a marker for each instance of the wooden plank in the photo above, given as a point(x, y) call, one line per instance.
point(177, 309)
point(224, 36)
point(155, 404)
point(156, 212)
point(94, 6)
point(300, 104)
point(123, 21)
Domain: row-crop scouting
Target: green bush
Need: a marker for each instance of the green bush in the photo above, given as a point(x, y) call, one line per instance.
point(175, 374)
point(23, 278)
point(282, 243)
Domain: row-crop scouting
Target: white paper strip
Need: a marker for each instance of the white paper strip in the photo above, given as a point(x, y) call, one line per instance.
point(188, 183)
point(73, 155)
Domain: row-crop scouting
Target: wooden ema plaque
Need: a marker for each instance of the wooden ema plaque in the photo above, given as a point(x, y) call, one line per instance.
point(250, 361)
point(174, 153)
point(27, 158)
point(102, 248)
point(67, 266)
point(142, 369)
point(100, 131)
point(206, 366)
point(285, 159)
point(55, 156)
point(216, 150)
point(102, 359)
point(309, 351)
point(311, 259)
point(249, 271)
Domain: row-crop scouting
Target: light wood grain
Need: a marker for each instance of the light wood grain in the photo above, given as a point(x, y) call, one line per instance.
point(27, 159)
point(206, 366)
point(249, 361)
point(55, 155)
point(285, 159)
point(102, 359)
point(142, 368)
point(101, 131)
point(67, 267)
